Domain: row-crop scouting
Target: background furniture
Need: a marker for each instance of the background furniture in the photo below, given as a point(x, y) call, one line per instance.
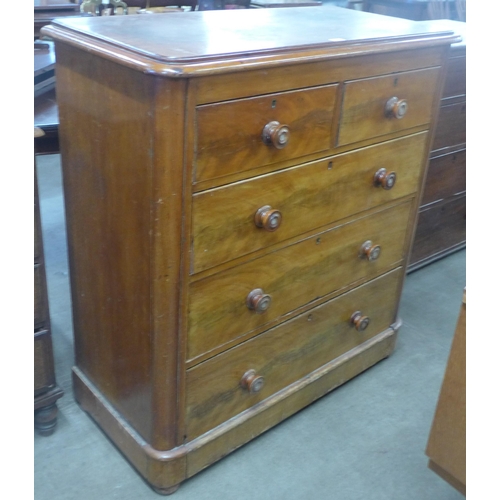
point(442, 215)
point(418, 10)
point(46, 390)
point(46, 10)
point(244, 250)
point(446, 448)
point(46, 116)
point(266, 4)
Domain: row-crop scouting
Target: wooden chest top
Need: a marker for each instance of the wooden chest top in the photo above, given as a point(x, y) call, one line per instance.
point(197, 42)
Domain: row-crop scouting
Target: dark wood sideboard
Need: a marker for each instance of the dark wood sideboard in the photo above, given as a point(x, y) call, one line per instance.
point(252, 206)
point(441, 227)
point(47, 391)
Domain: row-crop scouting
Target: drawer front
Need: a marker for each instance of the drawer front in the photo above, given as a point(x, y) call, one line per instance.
point(44, 364)
point(446, 177)
point(455, 82)
point(307, 197)
point(40, 297)
point(286, 353)
point(229, 135)
point(293, 276)
point(364, 104)
point(440, 228)
point(451, 126)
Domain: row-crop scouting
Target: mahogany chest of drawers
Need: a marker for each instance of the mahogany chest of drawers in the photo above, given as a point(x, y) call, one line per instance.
point(441, 227)
point(241, 190)
point(47, 392)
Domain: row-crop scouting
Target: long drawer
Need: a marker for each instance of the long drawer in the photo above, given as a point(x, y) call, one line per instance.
point(446, 176)
point(217, 389)
point(441, 228)
point(229, 135)
point(307, 197)
point(364, 113)
point(220, 305)
point(451, 126)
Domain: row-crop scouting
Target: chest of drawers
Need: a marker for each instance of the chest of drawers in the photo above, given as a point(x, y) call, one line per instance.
point(441, 227)
point(46, 390)
point(241, 194)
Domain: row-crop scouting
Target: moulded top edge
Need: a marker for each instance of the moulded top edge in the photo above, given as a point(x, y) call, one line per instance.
point(193, 38)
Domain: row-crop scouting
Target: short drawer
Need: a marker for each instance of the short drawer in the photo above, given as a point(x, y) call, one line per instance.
point(287, 353)
point(307, 197)
point(446, 177)
point(43, 362)
point(230, 135)
point(221, 308)
point(441, 227)
point(367, 111)
point(451, 126)
point(40, 297)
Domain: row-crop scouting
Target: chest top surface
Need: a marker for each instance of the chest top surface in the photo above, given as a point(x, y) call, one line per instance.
point(188, 39)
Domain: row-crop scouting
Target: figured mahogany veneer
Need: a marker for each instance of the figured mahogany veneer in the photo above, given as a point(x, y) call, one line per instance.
point(239, 211)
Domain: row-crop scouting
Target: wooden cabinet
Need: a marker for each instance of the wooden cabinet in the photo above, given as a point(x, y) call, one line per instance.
point(239, 212)
point(46, 390)
point(441, 227)
point(446, 447)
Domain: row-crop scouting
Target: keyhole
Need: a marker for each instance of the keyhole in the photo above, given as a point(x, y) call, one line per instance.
point(273, 103)
point(395, 82)
point(318, 241)
point(330, 165)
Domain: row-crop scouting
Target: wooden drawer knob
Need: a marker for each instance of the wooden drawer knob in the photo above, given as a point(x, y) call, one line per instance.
point(384, 179)
point(268, 218)
point(258, 301)
point(359, 321)
point(396, 108)
point(252, 382)
point(369, 251)
point(275, 134)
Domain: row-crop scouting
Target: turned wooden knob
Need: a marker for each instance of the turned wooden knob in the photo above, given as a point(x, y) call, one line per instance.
point(252, 382)
point(275, 134)
point(384, 179)
point(359, 321)
point(258, 301)
point(268, 218)
point(369, 251)
point(396, 108)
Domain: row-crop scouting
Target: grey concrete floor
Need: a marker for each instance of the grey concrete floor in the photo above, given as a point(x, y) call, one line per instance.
point(365, 440)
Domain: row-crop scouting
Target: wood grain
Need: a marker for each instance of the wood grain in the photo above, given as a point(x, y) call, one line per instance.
point(308, 196)
point(447, 440)
point(295, 275)
point(364, 103)
point(229, 134)
point(287, 353)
